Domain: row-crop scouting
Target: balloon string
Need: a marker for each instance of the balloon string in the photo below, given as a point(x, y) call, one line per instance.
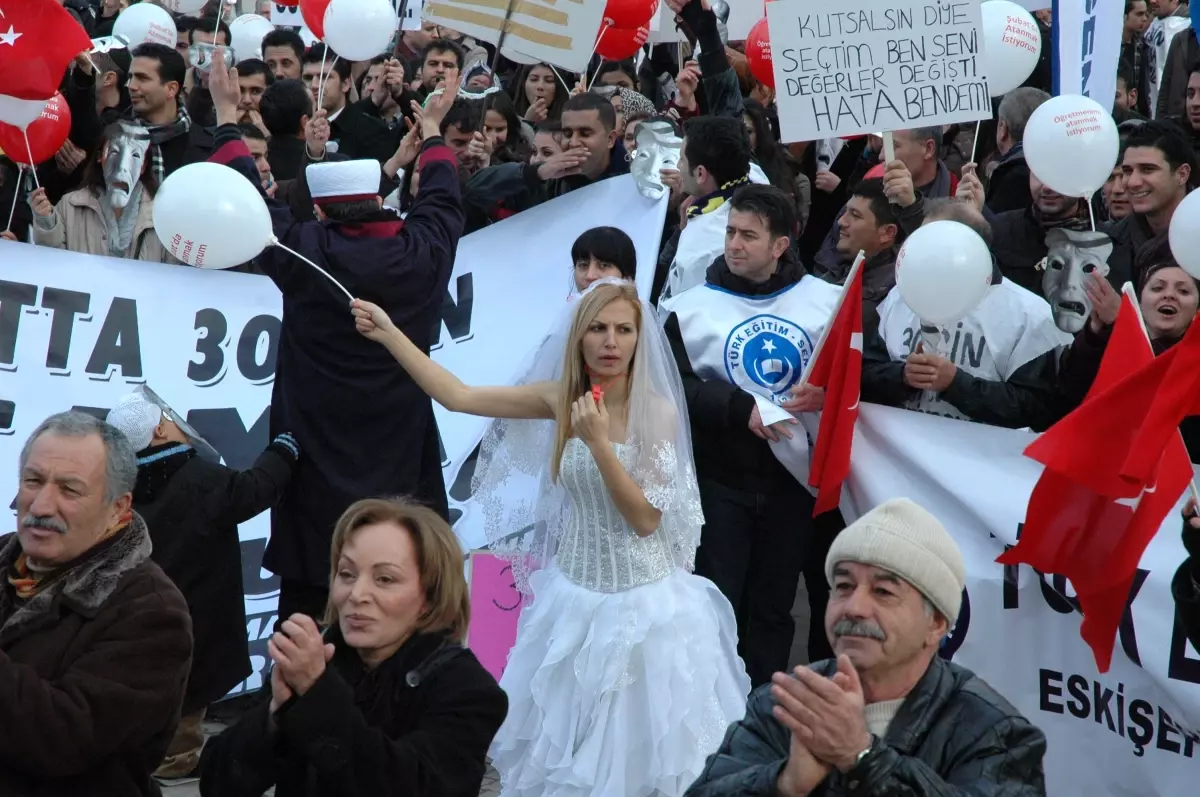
point(560, 77)
point(16, 193)
point(29, 151)
point(1091, 212)
point(324, 77)
point(975, 142)
point(278, 245)
point(603, 30)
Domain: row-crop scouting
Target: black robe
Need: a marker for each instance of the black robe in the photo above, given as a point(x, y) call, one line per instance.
point(365, 426)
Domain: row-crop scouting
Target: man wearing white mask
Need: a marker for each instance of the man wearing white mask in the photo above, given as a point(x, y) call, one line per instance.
point(995, 366)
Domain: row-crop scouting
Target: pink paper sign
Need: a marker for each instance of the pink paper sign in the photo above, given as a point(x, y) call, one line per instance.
point(495, 609)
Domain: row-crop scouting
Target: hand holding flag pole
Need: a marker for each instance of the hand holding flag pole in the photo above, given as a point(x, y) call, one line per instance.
point(836, 366)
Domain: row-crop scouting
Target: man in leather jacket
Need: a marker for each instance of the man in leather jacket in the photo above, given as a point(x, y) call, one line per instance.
point(888, 716)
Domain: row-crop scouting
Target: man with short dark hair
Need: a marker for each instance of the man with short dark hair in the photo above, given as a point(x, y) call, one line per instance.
point(916, 174)
point(1136, 54)
point(591, 152)
point(95, 640)
point(714, 162)
point(388, 445)
point(256, 142)
point(283, 51)
point(1157, 162)
point(286, 108)
point(330, 87)
point(438, 57)
point(741, 341)
point(888, 716)
point(1008, 185)
point(156, 78)
point(254, 78)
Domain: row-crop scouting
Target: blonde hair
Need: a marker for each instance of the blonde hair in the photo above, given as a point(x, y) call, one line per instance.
point(575, 380)
point(439, 560)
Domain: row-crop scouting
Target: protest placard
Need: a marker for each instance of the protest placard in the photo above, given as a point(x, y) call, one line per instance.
point(876, 65)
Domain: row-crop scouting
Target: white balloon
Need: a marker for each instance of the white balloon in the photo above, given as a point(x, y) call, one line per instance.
point(943, 271)
point(145, 22)
point(247, 32)
point(359, 30)
point(1071, 145)
point(1012, 44)
point(1184, 234)
point(210, 216)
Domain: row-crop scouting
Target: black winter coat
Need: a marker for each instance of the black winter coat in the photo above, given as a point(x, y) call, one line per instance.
point(92, 672)
point(1186, 586)
point(953, 735)
point(418, 726)
point(193, 508)
point(1008, 187)
point(367, 428)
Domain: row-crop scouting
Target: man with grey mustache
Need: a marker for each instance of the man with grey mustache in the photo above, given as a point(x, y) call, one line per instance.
point(95, 641)
point(888, 716)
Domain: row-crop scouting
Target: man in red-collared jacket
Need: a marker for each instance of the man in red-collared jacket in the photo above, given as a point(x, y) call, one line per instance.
point(368, 428)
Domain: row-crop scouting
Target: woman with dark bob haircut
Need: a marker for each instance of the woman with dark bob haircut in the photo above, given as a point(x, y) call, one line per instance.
point(387, 701)
point(602, 252)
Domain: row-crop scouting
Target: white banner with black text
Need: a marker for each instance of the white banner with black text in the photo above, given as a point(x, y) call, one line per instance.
point(79, 331)
point(1119, 734)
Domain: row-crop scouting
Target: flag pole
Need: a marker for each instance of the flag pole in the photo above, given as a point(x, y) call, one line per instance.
point(1129, 293)
point(812, 361)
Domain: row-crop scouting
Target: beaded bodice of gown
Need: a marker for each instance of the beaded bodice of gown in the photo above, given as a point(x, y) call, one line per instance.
point(598, 549)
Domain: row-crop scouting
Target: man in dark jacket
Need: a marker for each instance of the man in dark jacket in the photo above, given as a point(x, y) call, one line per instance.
point(193, 507)
point(1136, 52)
point(995, 367)
point(1182, 53)
point(156, 77)
point(592, 151)
point(367, 428)
point(1186, 584)
point(1157, 163)
point(95, 640)
point(927, 178)
point(1008, 186)
point(741, 342)
point(888, 718)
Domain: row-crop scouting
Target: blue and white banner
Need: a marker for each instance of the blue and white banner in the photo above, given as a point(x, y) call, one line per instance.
point(1086, 38)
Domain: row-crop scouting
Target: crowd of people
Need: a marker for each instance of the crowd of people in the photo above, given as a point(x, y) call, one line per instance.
point(667, 538)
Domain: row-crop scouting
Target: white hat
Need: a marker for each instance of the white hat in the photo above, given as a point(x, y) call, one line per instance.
point(902, 538)
point(136, 416)
point(343, 181)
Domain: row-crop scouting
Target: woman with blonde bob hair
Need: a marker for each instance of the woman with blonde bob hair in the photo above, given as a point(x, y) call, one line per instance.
point(389, 686)
point(625, 670)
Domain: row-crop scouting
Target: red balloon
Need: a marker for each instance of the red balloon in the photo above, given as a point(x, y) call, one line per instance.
point(617, 44)
point(313, 12)
point(629, 14)
point(758, 53)
point(46, 134)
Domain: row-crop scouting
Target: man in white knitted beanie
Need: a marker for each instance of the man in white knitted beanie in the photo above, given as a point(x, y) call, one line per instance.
point(889, 716)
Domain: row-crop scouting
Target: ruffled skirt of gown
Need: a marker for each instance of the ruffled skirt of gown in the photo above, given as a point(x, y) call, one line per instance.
point(619, 694)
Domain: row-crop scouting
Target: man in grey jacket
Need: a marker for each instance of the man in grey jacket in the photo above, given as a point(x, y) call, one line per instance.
point(889, 716)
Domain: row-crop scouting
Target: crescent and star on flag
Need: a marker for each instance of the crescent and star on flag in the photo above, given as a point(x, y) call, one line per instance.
point(11, 37)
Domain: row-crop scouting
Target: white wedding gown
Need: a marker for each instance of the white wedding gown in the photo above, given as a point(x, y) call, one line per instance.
point(625, 671)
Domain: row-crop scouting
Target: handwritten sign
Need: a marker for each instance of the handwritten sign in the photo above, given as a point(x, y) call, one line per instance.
point(869, 65)
point(495, 609)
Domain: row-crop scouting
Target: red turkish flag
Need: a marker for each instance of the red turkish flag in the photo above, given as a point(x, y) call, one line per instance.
point(838, 369)
point(1085, 521)
point(38, 41)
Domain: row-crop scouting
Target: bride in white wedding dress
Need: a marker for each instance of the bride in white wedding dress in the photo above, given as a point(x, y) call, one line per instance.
point(625, 670)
